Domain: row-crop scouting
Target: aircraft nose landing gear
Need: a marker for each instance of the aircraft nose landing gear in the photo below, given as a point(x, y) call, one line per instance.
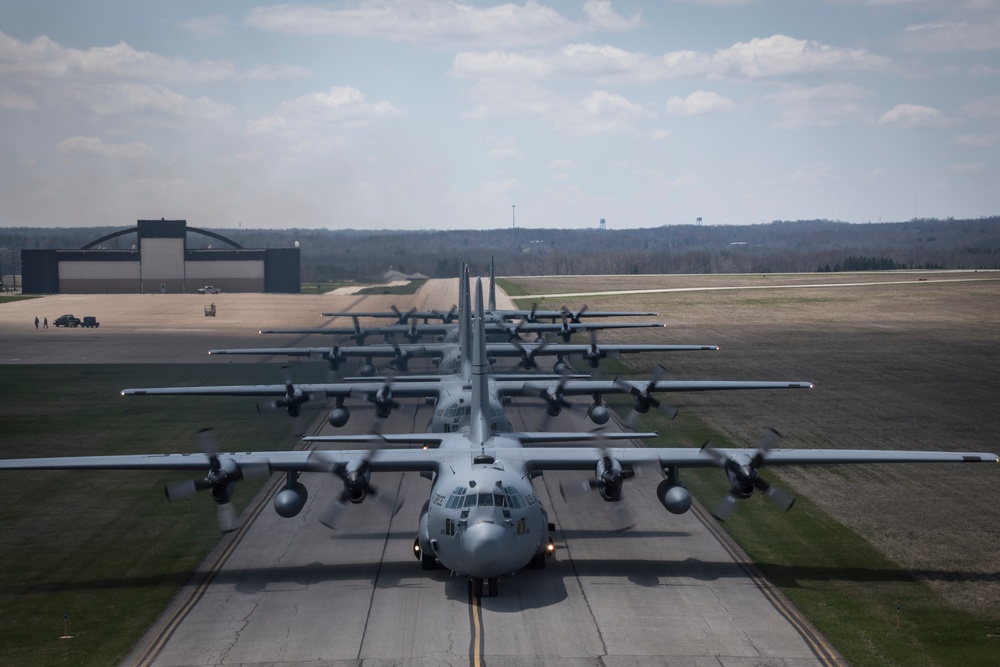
point(484, 587)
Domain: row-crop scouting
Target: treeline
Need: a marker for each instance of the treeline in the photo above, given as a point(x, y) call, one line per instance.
point(875, 264)
point(776, 247)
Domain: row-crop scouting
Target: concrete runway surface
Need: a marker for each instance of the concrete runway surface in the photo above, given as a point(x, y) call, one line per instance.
point(283, 592)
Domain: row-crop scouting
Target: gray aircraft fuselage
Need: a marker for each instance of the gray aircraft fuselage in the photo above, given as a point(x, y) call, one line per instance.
point(483, 519)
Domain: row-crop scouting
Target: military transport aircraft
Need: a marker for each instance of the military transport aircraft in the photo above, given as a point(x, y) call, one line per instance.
point(500, 331)
point(493, 314)
point(451, 394)
point(447, 356)
point(483, 519)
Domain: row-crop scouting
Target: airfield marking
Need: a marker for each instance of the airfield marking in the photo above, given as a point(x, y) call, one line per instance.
point(195, 596)
point(755, 287)
point(249, 516)
point(823, 651)
point(476, 642)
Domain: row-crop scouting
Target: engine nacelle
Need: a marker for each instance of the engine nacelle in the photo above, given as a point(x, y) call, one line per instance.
point(367, 370)
point(674, 497)
point(609, 472)
point(741, 483)
point(290, 500)
point(356, 481)
point(223, 480)
point(599, 413)
point(562, 368)
point(339, 416)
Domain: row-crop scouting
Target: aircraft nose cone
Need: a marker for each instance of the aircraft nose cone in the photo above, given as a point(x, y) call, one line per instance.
point(484, 543)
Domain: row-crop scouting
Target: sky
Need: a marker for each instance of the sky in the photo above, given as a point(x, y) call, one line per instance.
point(421, 114)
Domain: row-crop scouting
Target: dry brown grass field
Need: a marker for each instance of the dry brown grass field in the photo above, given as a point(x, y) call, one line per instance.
point(911, 362)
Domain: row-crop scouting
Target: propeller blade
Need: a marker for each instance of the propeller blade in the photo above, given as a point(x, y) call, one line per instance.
point(725, 508)
point(781, 498)
point(178, 490)
point(228, 519)
point(332, 512)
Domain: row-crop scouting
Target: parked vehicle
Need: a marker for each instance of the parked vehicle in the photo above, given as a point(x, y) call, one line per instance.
point(209, 289)
point(70, 321)
point(90, 321)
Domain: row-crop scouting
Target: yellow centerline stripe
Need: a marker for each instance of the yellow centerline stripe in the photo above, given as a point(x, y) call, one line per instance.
point(475, 611)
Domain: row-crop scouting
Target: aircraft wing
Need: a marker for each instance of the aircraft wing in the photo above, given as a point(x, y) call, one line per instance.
point(541, 327)
point(330, 390)
point(534, 314)
point(360, 351)
point(383, 460)
point(435, 439)
point(570, 349)
point(584, 458)
point(584, 387)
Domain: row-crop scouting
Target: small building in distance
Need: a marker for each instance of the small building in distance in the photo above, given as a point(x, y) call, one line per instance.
point(159, 262)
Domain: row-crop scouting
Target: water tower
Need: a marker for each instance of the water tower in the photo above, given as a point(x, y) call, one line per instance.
point(603, 224)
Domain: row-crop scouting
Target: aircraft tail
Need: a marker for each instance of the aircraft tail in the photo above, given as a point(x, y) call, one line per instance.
point(493, 288)
point(479, 419)
point(464, 326)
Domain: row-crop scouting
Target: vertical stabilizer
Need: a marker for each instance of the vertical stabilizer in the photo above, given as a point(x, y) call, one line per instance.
point(479, 420)
point(464, 325)
point(493, 288)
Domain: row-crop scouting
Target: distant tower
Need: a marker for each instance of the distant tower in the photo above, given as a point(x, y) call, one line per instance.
point(603, 227)
point(699, 221)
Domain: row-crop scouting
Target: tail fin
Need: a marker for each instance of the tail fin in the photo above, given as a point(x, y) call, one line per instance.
point(479, 419)
point(464, 325)
point(493, 288)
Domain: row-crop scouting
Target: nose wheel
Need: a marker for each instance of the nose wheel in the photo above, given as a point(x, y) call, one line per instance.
point(488, 588)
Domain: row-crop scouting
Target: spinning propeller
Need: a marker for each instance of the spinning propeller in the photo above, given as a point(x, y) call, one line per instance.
point(744, 476)
point(221, 480)
point(644, 399)
point(356, 476)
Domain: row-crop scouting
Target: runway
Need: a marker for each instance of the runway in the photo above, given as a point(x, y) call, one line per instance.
point(284, 592)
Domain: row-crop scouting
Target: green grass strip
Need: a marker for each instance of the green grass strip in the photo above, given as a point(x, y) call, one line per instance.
point(873, 611)
point(103, 553)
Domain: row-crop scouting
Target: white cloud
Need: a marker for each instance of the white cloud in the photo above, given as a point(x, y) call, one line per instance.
point(42, 58)
point(109, 99)
point(952, 36)
point(660, 135)
point(977, 140)
point(94, 146)
point(967, 167)
point(602, 15)
point(10, 99)
point(504, 186)
point(562, 164)
point(503, 147)
point(601, 112)
point(913, 116)
point(778, 56)
point(205, 26)
point(341, 106)
point(984, 107)
point(700, 102)
point(422, 21)
point(796, 106)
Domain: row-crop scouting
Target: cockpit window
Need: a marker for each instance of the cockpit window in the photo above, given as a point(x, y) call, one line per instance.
point(455, 500)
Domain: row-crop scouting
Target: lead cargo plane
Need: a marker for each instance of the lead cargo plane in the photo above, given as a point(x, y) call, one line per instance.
point(483, 520)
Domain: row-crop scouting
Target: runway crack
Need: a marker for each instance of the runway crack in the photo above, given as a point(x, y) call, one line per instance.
point(378, 575)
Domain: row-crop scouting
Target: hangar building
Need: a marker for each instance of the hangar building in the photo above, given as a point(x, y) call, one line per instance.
point(159, 263)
